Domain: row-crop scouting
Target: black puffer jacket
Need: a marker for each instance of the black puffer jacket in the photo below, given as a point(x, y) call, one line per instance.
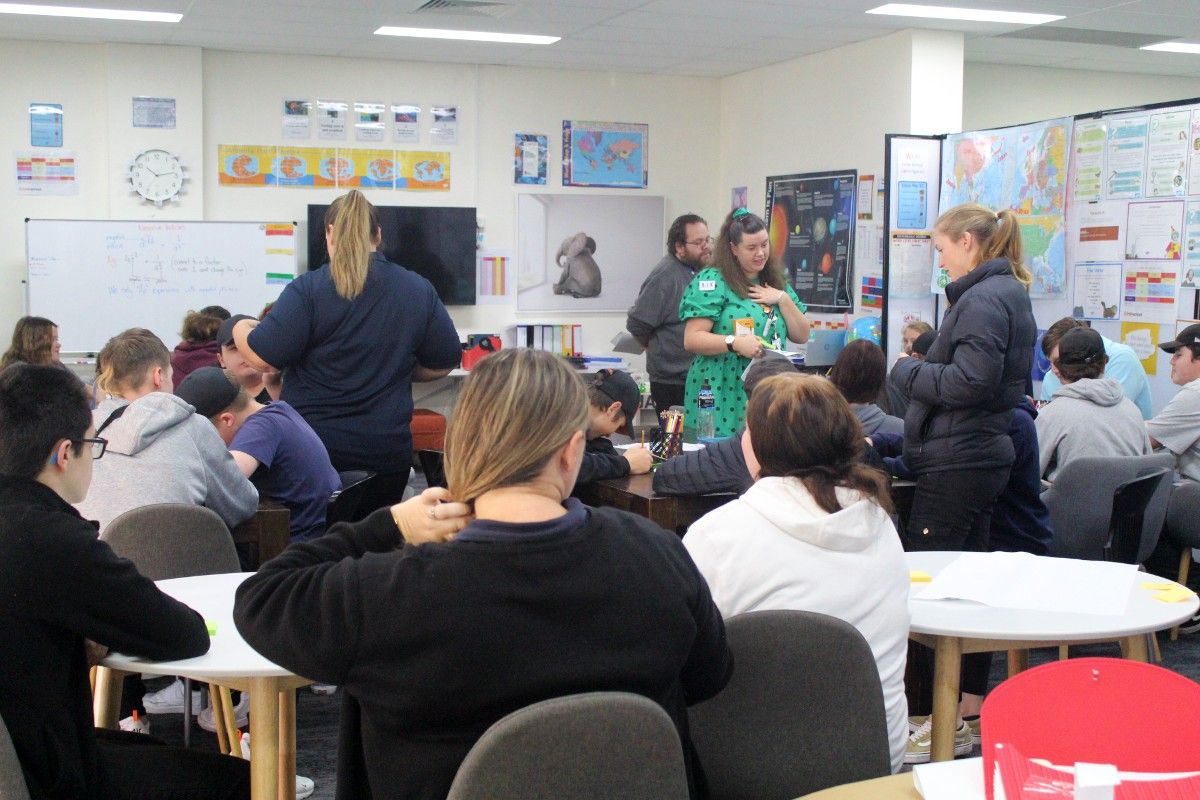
point(962, 396)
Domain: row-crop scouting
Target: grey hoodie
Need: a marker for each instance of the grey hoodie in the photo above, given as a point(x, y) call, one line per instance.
point(160, 451)
point(1090, 417)
point(873, 420)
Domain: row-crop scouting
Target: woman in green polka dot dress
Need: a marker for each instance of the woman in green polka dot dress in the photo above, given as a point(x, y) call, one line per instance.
point(730, 309)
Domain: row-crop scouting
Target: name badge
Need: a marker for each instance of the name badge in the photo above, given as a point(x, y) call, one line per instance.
point(743, 326)
point(708, 286)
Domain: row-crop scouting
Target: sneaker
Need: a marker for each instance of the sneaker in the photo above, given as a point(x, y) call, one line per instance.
point(976, 730)
point(916, 721)
point(304, 787)
point(323, 689)
point(169, 700)
point(135, 724)
point(919, 742)
point(240, 712)
point(1191, 626)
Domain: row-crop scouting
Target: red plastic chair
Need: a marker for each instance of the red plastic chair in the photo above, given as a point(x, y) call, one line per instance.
point(1140, 717)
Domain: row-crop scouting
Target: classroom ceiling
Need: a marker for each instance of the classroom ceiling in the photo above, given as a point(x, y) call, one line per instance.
point(713, 38)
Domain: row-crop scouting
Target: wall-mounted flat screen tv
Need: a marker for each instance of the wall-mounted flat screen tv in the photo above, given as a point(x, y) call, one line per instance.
point(435, 242)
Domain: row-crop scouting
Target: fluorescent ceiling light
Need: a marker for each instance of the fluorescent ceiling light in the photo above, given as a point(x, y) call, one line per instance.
point(967, 14)
point(89, 13)
point(470, 36)
point(1174, 47)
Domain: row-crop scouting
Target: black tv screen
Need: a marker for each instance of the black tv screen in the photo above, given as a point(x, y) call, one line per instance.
point(436, 243)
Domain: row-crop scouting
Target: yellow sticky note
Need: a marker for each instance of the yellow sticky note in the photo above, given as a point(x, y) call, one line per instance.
point(1158, 587)
point(916, 576)
point(1176, 594)
point(212, 627)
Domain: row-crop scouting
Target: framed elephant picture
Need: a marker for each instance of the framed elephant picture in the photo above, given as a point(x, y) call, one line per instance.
point(585, 252)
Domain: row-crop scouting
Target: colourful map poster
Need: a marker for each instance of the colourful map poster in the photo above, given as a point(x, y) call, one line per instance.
point(421, 170)
point(1023, 168)
point(295, 166)
point(244, 165)
point(370, 169)
point(611, 154)
point(332, 168)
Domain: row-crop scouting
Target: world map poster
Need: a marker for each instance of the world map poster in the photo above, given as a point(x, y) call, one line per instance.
point(611, 154)
point(1024, 169)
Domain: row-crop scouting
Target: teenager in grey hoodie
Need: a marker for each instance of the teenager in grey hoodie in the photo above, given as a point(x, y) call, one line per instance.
point(1089, 415)
point(158, 451)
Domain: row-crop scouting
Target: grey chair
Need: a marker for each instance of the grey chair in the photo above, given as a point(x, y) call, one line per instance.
point(1084, 495)
point(580, 747)
point(803, 711)
point(12, 779)
point(1183, 528)
point(174, 540)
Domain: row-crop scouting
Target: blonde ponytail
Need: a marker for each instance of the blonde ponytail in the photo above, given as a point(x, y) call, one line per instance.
point(354, 223)
point(998, 234)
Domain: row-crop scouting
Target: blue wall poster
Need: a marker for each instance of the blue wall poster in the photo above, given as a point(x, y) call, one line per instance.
point(610, 154)
point(45, 125)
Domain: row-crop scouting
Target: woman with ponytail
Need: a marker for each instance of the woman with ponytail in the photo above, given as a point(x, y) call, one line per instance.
point(350, 338)
point(813, 532)
point(438, 618)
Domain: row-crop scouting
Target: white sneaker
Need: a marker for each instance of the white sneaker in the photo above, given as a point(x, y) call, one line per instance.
point(304, 786)
point(139, 725)
point(240, 712)
point(324, 689)
point(169, 700)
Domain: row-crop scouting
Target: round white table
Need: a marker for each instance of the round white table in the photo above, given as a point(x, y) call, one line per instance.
point(231, 662)
point(954, 627)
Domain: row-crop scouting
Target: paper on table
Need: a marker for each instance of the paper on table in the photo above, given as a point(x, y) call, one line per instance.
point(624, 342)
point(687, 446)
point(961, 779)
point(1035, 583)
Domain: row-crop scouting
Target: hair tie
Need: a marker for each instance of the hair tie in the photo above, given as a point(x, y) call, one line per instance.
point(741, 212)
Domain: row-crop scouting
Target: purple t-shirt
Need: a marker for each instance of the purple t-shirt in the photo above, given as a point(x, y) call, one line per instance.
point(294, 466)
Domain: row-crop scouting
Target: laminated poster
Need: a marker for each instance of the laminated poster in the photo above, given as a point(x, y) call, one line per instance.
point(45, 125)
point(297, 118)
point(423, 170)
point(406, 121)
point(445, 125)
point(46, 172)
point(1168, 153)
point(244, 165)
point(295, 166)
point(530, 151)
point(1155, 230)
point(1150, 293)
point(1125, 172)
point(369, 124)
point(811, 218)
point(1193, 181)
point(1101, 235)
point(1097, 291)
point(611, 154)
point(1088, 180)
point(1191, 246)
point(331, 167)
point(370, 169)
point(1143, 338)
point(331, 119)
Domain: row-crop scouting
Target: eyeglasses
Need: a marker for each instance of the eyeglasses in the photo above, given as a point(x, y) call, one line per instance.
point(700, 242)
point(98, 445)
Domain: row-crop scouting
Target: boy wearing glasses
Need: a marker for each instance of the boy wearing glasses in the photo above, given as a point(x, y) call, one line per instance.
point(654, 319)
point(68, 599)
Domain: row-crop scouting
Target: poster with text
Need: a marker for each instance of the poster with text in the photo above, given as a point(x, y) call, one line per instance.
point(1142, 338)
point(1126, 153)
point(1167, 153)
point(1149, 294)
point(445, 125)
point(406, 123)
point(1154, 231)
point(297, 118)
point(45, 125)
point(1088, 173)
point(331, 168)
point(1101, 231)
point(422, 170)
point(46, 172)
point(811, 221)
point(1191, 246)
point(1193, 180)
point(244, 165)
point(530, 152)
point(912, 199)
point(331, 119)
point(295, 166)
point(369, 123)
point(1097, 291)
point(370, 169)
point(609, 154)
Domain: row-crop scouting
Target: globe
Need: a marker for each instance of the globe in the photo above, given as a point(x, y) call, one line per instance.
point(864, 328)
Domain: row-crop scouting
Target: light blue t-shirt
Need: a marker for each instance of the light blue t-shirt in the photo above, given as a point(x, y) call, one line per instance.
point(1125, 368)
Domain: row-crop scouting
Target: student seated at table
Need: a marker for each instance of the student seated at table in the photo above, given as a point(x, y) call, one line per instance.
point(859, 373)
point(1089, 414)
point(272, 444)
point(719, 467)
point(199, 347)
point(435, 630)
point(613, 401)
point(813, 532)
point(158, 450)
point(916, 339)
point(263, 387)
point(67, 600)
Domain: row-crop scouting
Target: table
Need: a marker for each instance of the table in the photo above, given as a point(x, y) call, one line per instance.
point(955, 627)
point(635, 493)
point(266, 534)
point(893, 787)
point(230, 662)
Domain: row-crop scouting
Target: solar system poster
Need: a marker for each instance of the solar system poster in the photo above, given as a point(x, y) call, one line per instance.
point(811, 220)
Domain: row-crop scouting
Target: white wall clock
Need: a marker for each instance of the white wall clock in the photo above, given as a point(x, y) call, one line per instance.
point(157, 176)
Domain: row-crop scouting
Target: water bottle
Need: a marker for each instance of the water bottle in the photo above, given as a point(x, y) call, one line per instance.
point(706, 402)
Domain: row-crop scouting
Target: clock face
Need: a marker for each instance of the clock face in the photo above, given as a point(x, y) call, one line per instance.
point(157, 176)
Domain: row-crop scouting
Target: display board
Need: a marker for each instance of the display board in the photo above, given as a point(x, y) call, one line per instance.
point(95, 278)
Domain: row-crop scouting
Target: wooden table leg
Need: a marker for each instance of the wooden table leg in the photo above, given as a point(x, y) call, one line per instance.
point(947, 667)
point(1134, 648)
point(265, 780)
point(106, 702)
point(1018, 661)
point(287, 744)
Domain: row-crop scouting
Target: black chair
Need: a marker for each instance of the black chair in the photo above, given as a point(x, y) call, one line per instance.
point(803, 711)
point(433, 464)
point(1128, 541)
point(344, 504)
point(580, 747)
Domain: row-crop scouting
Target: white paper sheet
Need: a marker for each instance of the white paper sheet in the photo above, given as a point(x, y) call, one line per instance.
point(1035, 583)
point(961, 779)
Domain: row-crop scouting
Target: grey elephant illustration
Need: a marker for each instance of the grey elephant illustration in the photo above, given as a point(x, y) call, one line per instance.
point(580, 272)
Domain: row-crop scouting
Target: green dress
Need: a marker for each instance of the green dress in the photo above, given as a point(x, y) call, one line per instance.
point(709, 297)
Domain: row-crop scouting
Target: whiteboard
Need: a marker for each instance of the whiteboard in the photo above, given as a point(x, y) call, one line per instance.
point(96, 278)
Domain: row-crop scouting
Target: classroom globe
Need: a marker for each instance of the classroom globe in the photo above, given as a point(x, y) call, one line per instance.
point(864, 328)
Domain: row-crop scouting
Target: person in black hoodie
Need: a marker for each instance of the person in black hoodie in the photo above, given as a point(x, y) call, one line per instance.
point(613, 401)
point(435, 630)
point(68, 599)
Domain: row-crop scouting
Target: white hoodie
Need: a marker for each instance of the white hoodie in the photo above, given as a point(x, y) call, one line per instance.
point(775, 548)
point(160, 451)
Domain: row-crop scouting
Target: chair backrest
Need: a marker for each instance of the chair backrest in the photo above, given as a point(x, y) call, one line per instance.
point(1081, 503)
point(803, 711)
point(173, 540)
point(581, 747)
point(1127, 530)
point(433, 464)
point(1100, 710)
point(344, 503)
point(12, 779)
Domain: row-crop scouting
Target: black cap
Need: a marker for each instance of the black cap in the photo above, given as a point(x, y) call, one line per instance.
point(620, 387)
point(1189, 335)
point(208, 390)
point(923, 342)
point(1080, 346)
point(225, 332)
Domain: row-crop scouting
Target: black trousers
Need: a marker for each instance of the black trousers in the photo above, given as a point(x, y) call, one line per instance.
point(951, 510)
point(666, 395)
point(140, 767)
